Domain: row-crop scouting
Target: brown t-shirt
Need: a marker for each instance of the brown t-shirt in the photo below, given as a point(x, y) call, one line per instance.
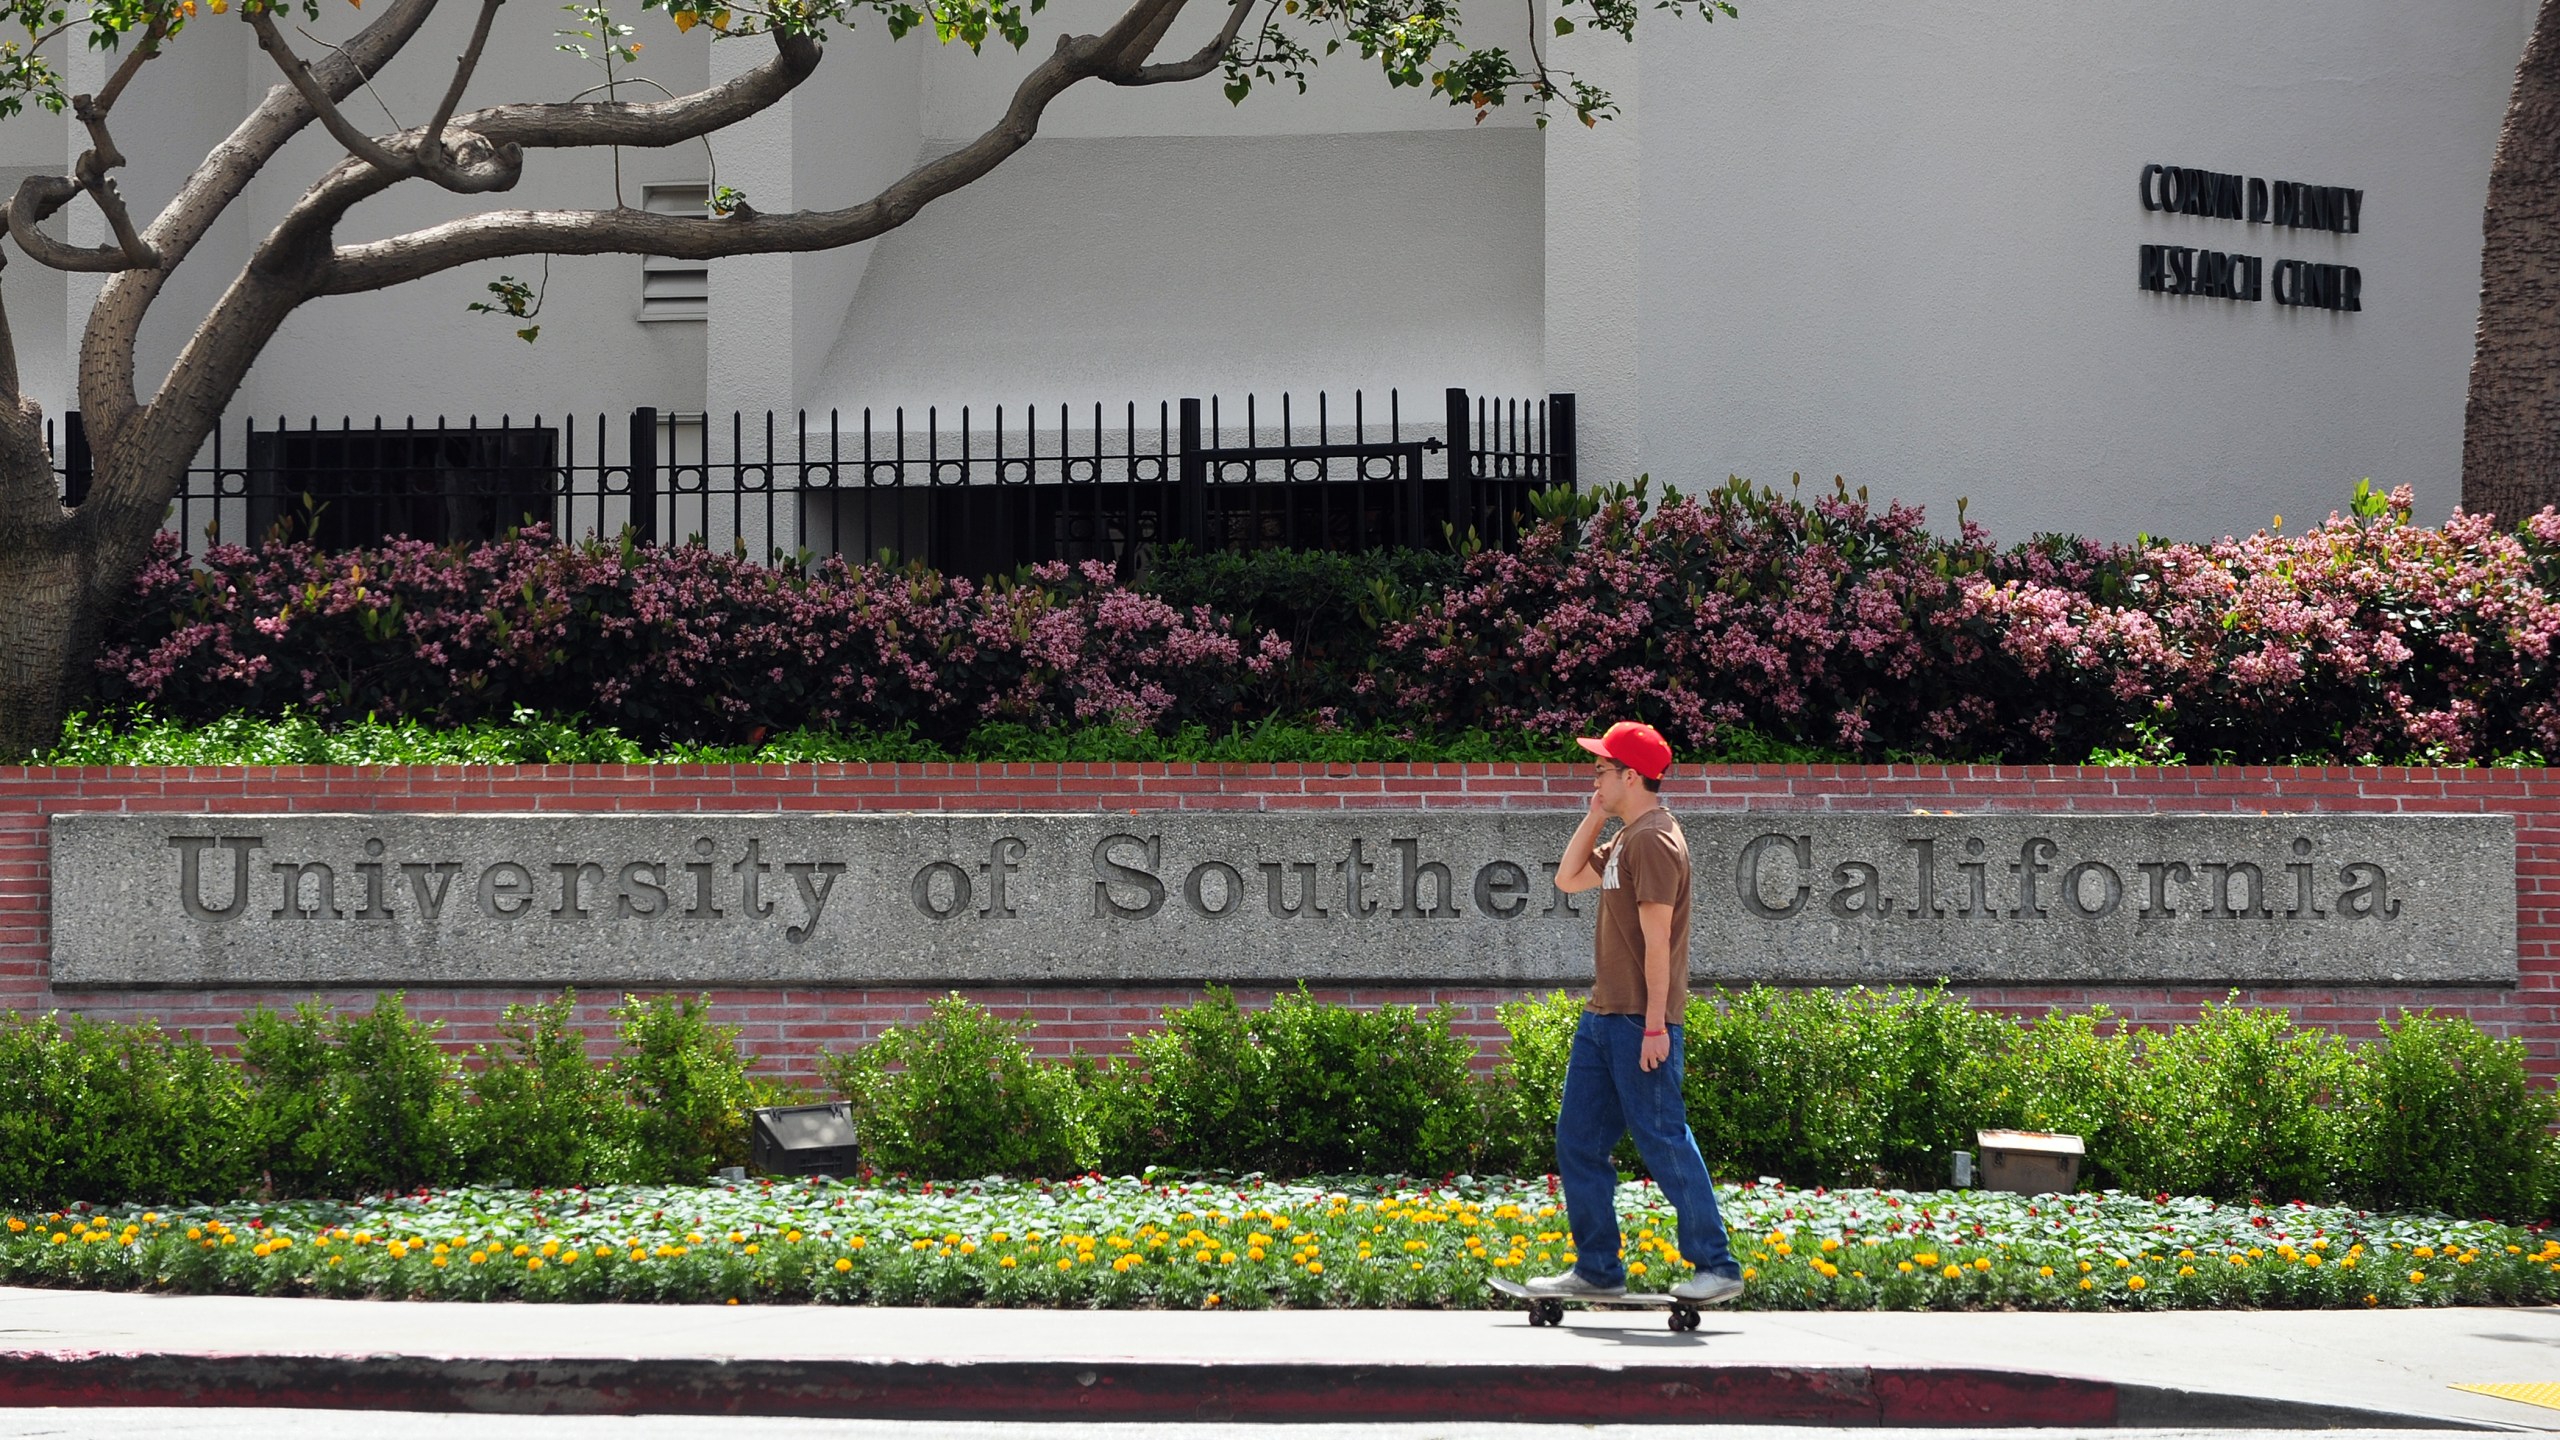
point(1647, 862)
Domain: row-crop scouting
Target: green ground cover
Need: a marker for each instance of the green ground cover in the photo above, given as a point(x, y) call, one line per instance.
point(141, 738)
point(1248, 1243)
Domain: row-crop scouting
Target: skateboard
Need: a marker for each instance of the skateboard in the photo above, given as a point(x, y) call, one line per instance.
point(1549, 1309)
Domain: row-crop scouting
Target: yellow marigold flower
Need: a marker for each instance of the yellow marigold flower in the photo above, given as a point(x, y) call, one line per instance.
point(2088, 1284)
point(2136, 1283)
point(752, 1249)
point(521, 1251)
point(396, 1250)
point(604, 1252)
point(1951, 1272)
point(1004, 1264)
point(792, 1238)
point(1905, 1266)
point(1982, 1262)
point(2123, 1264)
point(2417, 1277)
point(533, 1264)
point(1636, 1268)
point(1066, 1264)
point(1750, 1272)
point(636, 1255)
point(2045, 1270)
point(855, 1243)
point(569, 1259)
point(439, 1262)
point(2086, 1267)
point(1256, 1253)
point(1927, 1258)
point(194, 1232)
point(2186, 1254)
point(693, 1237)
point(2186, 1270)
point(2313, 1261)
point(2348, 1263)
point(2424, 1252)
point(475, 1257)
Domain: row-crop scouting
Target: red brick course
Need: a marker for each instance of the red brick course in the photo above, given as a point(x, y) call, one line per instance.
point(787, 1026)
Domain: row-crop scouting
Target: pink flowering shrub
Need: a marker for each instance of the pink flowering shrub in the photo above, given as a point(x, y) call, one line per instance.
point(676, 643)
point(1729, 619)
point(2365, 636)
point(1831, 623)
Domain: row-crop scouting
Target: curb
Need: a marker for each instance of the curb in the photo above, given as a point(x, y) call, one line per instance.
point(1138, 1390)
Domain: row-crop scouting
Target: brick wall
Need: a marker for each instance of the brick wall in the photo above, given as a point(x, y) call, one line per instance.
point(788, 1025)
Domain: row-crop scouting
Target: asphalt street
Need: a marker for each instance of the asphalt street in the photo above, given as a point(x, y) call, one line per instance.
point(378, 1425)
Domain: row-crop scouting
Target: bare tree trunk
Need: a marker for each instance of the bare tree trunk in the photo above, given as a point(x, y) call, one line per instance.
point(2511, 430)
point(50, 631)
point(51, 621)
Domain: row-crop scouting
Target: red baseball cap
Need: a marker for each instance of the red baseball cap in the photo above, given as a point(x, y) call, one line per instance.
point(1634, 744)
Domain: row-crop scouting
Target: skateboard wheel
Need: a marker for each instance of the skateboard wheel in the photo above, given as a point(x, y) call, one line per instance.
point(1684, 1318)
point(1548, 1312)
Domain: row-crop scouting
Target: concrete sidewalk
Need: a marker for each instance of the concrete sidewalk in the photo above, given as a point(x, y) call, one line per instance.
point(2263, 1369)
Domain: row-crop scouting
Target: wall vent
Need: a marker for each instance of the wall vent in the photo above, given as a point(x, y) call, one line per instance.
point(675, 289)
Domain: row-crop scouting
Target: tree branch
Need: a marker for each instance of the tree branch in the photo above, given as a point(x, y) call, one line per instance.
point(38, 197)
point(381, 263)
point(106, 345)
point(639, 124)
point(431, 148)
point(307, 85)
point(91, 172)
point(650, 124)
point(1200, 62)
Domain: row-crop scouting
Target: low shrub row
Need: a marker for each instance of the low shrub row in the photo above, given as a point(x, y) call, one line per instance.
point(1815, 1087)
point(1740, 621)
point(1812, 1087)
point(318, 1103)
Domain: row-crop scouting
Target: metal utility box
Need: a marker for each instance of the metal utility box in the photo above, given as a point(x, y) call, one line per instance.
point(804, 1140)
point(2029, 1162)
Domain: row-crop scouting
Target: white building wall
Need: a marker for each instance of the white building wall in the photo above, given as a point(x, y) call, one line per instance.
point(1899, 244)
point(1156, 267)
point(1893, 244)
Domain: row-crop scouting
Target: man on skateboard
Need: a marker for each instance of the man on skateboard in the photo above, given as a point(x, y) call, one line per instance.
point(1625, 1071)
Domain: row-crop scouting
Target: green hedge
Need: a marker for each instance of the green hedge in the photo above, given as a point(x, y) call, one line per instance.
point(319, 1103)
point(1812, 1087)
point(133, 737)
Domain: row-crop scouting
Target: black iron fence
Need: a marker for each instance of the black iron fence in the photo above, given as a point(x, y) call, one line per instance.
point(970, 495)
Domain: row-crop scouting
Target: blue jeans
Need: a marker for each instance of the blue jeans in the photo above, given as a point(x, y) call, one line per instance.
point(1607, 1094)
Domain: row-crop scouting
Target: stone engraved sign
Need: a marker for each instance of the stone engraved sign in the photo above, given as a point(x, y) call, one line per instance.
point(1438, 896)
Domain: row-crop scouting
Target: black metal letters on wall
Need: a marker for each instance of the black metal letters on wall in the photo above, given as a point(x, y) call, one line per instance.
point(2219, 275)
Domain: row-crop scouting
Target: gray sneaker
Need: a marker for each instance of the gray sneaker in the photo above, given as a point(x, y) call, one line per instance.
point(1571, 1285)
point(1705, 1289)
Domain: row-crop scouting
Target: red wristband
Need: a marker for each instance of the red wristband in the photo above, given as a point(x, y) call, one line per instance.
point(1649, 1034)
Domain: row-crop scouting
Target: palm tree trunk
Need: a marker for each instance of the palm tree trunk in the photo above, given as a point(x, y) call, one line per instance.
point(2511, 428)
